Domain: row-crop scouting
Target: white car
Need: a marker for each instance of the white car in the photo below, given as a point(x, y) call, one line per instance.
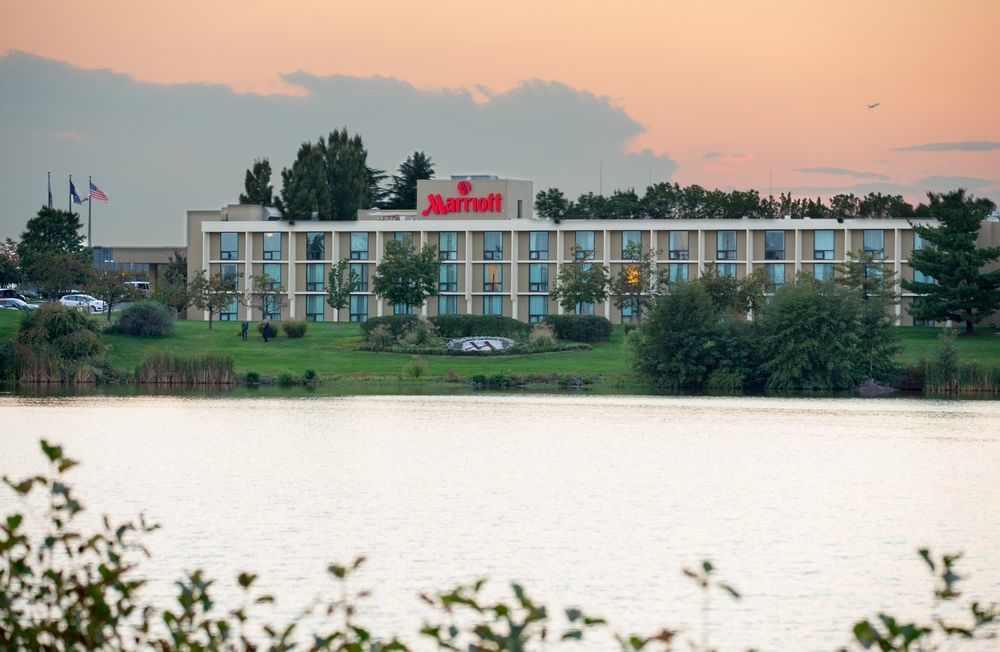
point(17, 304)
point(84, 302)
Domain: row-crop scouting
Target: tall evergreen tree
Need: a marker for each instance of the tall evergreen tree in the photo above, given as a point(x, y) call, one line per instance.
point(552, 203)
point(961, 290)
point(305, 187)
point(258, 184)
point(347, 174)
point(403, 191)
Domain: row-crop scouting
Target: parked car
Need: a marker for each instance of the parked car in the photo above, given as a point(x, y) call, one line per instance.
point(12, 294)
point(142, 286)
point(17, 304)
point(84, 302)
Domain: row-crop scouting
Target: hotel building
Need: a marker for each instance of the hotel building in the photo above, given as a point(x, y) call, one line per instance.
point(497, 258)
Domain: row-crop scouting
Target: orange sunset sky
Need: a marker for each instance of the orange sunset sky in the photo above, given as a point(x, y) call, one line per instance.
point(735, 92)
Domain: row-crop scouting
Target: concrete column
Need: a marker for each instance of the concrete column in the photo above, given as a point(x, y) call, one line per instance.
point(514, 256)
point(700, 242)
point(559, 260)
point(607, 266)
point(749, 251)
point(377, 258)
point(205, 255)
point(897, 267)
point(468, 272)
point(292, 269)
point(798, 250)
point(423, 243)
point(333, 259)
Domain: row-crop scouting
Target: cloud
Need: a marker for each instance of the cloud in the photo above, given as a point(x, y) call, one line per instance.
point(738, 158)
point(960, 146)
point(161, 149)
point(822, 169)
point(711, 155)
point(915, 191)
point(944, 183)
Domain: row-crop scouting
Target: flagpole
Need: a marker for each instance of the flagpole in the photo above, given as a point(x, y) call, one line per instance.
point(50, 190)
point(90, 208)
point(70, 202)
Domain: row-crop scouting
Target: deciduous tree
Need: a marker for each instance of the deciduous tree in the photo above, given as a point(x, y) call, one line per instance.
point(634, 287)
point(210, 293)
point(109, 285)
point(580, 281)
point(407, 275)
point(340, 284)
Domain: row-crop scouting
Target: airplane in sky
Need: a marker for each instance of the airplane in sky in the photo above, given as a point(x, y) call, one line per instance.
point(872, 106)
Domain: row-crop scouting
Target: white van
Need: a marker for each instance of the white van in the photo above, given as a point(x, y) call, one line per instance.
point(142, 286)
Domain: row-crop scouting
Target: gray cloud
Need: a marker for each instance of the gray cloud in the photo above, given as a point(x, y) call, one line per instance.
point(711, 155)
point(159, 150)
point(822, 169)
point(960, 146)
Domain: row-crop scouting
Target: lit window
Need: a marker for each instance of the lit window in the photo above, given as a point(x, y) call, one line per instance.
point(492, 278)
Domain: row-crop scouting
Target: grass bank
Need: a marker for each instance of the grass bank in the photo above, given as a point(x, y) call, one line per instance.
point(331, 350)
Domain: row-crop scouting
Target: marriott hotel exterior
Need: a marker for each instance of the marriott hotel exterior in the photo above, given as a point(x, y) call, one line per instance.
point(497, 258)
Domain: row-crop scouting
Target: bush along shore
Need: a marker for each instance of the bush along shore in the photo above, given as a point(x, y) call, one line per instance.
point(90, 596)
point(146, 346)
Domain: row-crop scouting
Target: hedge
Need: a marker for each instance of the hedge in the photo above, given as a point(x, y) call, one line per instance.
point(452, 326)
point(396, 324)
point(580, 328)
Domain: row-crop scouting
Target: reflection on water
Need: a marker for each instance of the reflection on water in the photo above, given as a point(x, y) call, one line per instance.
point(812, 507)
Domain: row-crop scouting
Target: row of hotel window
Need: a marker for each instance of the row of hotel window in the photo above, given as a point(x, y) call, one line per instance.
point(873, 242)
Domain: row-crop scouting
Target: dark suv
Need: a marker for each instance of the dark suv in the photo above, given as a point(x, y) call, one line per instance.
point(12, 294)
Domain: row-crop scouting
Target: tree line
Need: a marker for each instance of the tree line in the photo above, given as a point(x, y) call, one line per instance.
point(672, 201)
point(331, 178)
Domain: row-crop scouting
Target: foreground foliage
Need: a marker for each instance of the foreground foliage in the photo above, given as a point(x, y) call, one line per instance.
point(63, 589)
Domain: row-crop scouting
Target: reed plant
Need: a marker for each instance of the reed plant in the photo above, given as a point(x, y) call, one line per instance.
point(163, 368)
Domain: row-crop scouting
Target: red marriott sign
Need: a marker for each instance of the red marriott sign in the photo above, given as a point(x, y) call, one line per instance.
point(439, 205)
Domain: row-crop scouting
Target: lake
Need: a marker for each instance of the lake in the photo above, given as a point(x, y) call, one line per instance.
point(813, 508)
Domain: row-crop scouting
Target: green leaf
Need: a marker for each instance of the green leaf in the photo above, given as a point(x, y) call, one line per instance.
point(865, 634)
point(52, 452)
point(926, 554)
point(246, 579)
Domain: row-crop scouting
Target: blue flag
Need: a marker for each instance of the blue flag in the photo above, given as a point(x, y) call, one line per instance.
point(72, 193)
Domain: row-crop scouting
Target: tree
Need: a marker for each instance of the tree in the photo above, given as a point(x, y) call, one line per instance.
point(864, 275)
point(348, 175)
point(339, 287)
point(51, 231)
point(258, 184)
point(210, 293)
point(265, 295)
point(9, 263)
point(305, 188)
point(723, 291)
point(552, 203)
point(580, 281)
point(171, 287)
point(403, 191)
point(109, 285)
point(57, 272)
point(406, 275)
point(961, 290)
point(634, 286)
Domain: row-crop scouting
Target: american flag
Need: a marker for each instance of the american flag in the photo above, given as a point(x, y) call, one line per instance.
point(97, 193)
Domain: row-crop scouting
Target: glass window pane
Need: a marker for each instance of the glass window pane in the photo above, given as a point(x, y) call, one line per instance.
point(314, 307)
point(538, 277)
point(230, 272)
point(448, 305)
point(727, 270)
point(678, 245)
point(315, 277)
point(776, 274)
point(823, 245)
point(229, 311)
point(448, 245)
point(448, 277)
point(585, 308)
point(272, 246)
point(538, 245)
point(634, 239)
point(677, 272)
point(315, 246)
point(725, 245)
point(538, 309)
point(492, 245)
point(584, 245)
point(273, 270)
point(823, 271)
point(874, 242)
point(492, 277)
point(359, 246)
point(774, 245)
point(229, 246)
point(492, 305)
point(360, 270)
point(359, 307)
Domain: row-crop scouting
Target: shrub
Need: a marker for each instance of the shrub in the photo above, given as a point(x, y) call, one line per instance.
point(581, 328)
point(309, 376)
point(499, 380)
point(285, 380)
point(295, 329)
point(275, 329)
point(420, 332)
point(542, 336)
point(79, 344)
point(381, 337)
point(628, 327)
point(416, 368)
point(397, 325)
point(252, 378)
point(51, 321)
point(453, 326)
point(145, 319)
point(8, 361)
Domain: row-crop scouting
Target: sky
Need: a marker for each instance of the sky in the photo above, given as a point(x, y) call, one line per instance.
point(167, 104)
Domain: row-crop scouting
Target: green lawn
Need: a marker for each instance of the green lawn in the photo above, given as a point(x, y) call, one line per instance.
point(331, 350)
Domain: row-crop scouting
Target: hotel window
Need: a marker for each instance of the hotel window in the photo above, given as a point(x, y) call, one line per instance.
point(229, 246)
point(448, 277)
point(492, 278)
point(678, 245)
point(726, 270)
point(538, 277)
point(228, 311)
point(628, 311)
point(315, 246)
point(633, 239)
point(538, 245)
point(677, 272)
point(314, 277)
point(401, 309)
point(725, 245)
point(402, 236)
point(359, 307)
point(448, 245)
point(775, 275)
point(874, 243)
point(230, 272)
point(538, 309)
point(920, 277)
point(272, 246)
point(272, 309)
point(314, 307)
point(492, 245)
point(273, 271)
point(359, 246)
point(585, 308)
point(823, 245)
point(448, 305)
point(823, 271)
point(774, 245)
point(360, 272)
point(492, 305)
point(584, 249)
